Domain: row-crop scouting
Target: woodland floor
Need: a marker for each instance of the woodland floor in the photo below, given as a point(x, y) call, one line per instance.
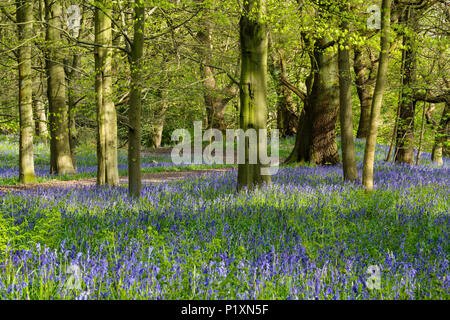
point(151, 177)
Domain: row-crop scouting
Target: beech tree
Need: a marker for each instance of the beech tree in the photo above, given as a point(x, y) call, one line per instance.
point(345, 106)
point(369, 152)
point(253, 86)
point(107, 169)
point(316, 132)
point(24, 14)
point(60, 155)
point(134, 113)
point(365, 65)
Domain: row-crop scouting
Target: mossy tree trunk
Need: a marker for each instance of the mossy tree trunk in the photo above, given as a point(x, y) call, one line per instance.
point(405, 130)
point(24, 16)
point(316, 134)
point(345, 114)
point(377, 101)
point(253, 86)
point(107, 168)
point(134, 113)
point(60, 155)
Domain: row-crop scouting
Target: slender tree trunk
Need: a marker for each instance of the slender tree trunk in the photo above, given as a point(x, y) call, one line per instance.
point(345, 114)
point(134, 113)
point(41, 118)
point(60, 157)
point(316, 135)
point(394, 135)
point(422, 129)
point(405, 130)
point(107, 169)
point(72, 76)
point(442, 138)
point(160, 118)
point(24, 16)
point(365, 81)
point(73, 141)
point(253, 86)
point(41, 112)
point(377, 101)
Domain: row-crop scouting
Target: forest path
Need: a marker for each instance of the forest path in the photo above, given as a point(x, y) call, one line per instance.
point(147, 178)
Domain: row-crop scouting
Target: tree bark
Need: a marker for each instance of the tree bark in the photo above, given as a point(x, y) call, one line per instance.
point(364, 66)
point(41, 119)
point(160, 118)
point(350, 171)
point(287, 120)
point(24, 16)
point(60, 156)
point(377, 101)
point(216, 99)
point(107, 168)
point(72, 75)
point(253, 87)
point(441, 145)
point(134, 113)
point(422, 129)
point(316, 134)
point(405, 130)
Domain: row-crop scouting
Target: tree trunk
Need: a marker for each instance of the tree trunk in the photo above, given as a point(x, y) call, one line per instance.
point(405, 131)
point(24, 16)
point(216, 99)
point(60, 156)
point(72, 75)
point(442, 139)
point(160, 118)
point(107, 169)
point(365, 81)
point(316, 135)
point(41, 118)
point(422, 129)
point(134, 113)
point(345, 114)
point(287, 120)
point(253, 87)
point(377, 101)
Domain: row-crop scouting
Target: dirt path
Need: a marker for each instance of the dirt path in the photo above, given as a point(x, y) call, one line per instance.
point(147, 178)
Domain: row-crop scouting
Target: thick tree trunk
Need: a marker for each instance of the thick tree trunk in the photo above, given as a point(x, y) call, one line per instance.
point(365, 81)
point(345, 114)
point(405, 130)
point(24, 15)
point(316, 134)
point(134, 113)
point(107, 169)
point(253, 87)
point(441, 145)
point(60, 156)
point(377, 101)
